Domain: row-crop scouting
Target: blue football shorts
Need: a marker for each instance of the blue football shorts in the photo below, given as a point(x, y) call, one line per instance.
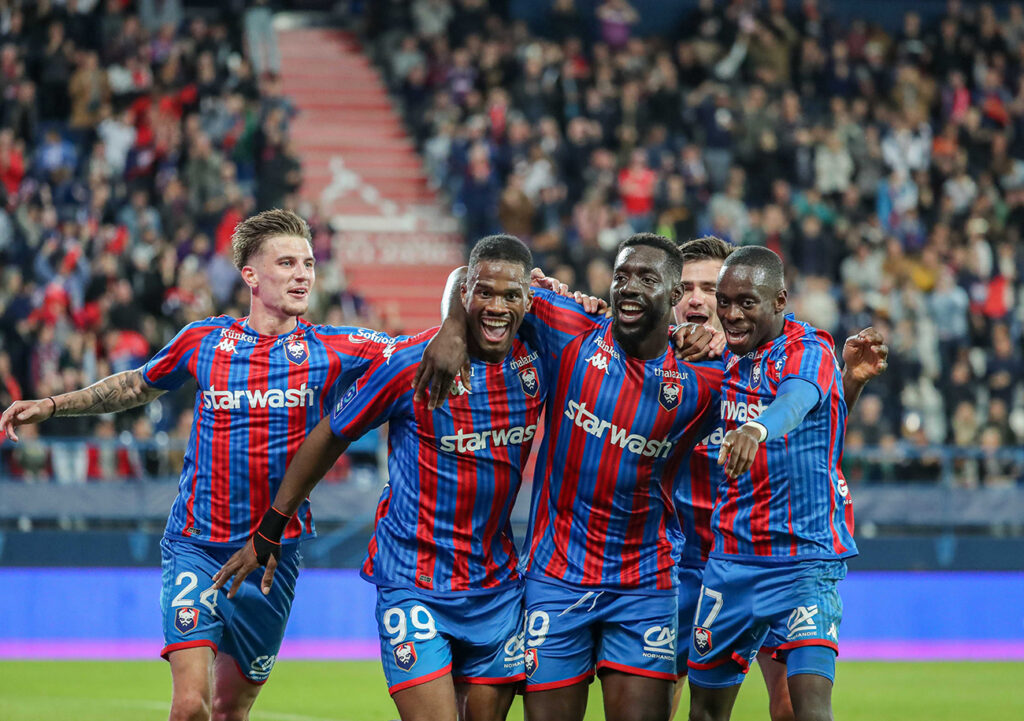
point(744, 607)
point(572, 632)
point(249, 627)
point(477, 638)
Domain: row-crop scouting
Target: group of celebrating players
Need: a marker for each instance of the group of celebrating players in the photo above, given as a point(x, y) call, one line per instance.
point(688, 513)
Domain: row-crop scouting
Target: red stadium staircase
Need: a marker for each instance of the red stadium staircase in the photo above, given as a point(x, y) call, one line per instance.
point(393, 239)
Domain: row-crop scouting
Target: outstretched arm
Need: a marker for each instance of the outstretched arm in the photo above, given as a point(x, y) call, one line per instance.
point(118, 392)
point(865, 356)
point(314, 458)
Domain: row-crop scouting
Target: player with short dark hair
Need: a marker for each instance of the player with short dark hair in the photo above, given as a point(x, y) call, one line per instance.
point(864, 356)
point(263, 382)
point(782, 518)
point(449, 595)
point(621, 419)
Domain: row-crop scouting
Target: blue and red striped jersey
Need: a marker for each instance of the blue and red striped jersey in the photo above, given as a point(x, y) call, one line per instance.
point(695, 489)
point(794, 503)
point(617, 430)
point(258, 397)
point(443, 520)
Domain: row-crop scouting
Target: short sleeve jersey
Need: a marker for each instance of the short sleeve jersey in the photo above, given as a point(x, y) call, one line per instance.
point(617, 431)
point(257, 397)
point(443, 520)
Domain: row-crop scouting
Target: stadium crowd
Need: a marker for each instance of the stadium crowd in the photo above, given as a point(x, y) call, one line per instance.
point(887, 168)
point(133, 139)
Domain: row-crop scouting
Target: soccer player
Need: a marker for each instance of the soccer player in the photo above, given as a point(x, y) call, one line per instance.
point(782, 518)
point(263, 382)
point(449, 595)
point(621, 418)
point(864, 356)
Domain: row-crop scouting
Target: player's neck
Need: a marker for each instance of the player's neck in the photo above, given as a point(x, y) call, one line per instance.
point(649, 347)
point(266, 322)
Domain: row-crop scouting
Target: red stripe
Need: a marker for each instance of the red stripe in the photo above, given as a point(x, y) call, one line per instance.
point(198, 643)
point(465, 490)
point(220, 449)
point(588, 676)
point(418, 681)
point(498, 397)
point(760, 511)
point(259, 437)
point(426, 557)
point(496, 681)
point(701, 498)
point(198, 425)
point(809, 642)
point(633, 670)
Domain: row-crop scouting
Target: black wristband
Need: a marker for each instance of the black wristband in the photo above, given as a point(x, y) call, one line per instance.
point(266, 542)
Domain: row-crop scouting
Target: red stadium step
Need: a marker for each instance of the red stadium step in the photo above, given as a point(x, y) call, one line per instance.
point(359, 162)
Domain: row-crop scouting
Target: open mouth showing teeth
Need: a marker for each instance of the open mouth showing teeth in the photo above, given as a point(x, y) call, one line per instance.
point(630, 312)
point(698, 318)
point(298, 292)
point(494, 329)
point(735, 336)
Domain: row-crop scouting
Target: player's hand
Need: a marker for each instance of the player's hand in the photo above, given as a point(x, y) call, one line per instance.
point(240, 565)
point(444, 357)
point(591, 304)
point(23, 412)
point(739, 448)
point(865, 355)
point(692, 342)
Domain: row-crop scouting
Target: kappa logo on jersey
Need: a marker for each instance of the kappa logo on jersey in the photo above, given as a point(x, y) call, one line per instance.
point(261, 666)
point(660, 641)
point(528, 378)
point(389, 351)
point(349, 396)
point(833, 631)
point(621, 437)
point(599, 361)
point(669, 396)
point(458, 387)
point(531, 661)
point(741, 411)
point(405, 655)
point(300, 397)
point(297, 351)
point(702, 640)
point(755, 375)
point(468, 442)
point(801, 621)
point(186, 619)
point(227, 345)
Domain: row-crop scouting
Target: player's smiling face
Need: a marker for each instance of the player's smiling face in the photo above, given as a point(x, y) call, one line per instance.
point(751, 313)
point(642, 296)
point(496, 296)
point(700, 278)
point(281, 275)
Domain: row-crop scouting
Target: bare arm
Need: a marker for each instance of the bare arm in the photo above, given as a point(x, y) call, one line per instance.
point(118, 392)
point(445, 355)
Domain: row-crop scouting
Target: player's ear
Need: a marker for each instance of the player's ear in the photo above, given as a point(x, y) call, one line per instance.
point(529, 298)
point(249, 276)
point(780, 301)
point(676, 295)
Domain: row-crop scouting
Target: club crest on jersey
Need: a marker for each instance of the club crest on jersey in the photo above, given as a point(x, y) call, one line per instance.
point(702, 640)
point(531, 662)
point(528, 377)
point(297, 351)
point(405, 655)
point(669, 396)
point(755, 375)
point(186, 619)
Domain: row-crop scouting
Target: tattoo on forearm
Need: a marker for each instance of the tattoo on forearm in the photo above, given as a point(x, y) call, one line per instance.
point(118, 392)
